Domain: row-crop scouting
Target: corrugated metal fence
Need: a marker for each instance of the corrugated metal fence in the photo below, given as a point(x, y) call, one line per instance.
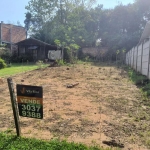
point(138, 58)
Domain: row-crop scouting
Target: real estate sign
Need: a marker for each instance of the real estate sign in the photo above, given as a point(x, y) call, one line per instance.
point(30, 101)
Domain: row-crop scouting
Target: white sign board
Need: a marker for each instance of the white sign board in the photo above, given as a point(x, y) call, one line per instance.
point(54, 55)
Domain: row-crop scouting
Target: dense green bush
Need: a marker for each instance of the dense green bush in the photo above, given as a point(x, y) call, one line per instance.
point(67, 56)
point(60, 62)
point(81, 55)
point(22, 58)
point(2, 64)
point(5, 53)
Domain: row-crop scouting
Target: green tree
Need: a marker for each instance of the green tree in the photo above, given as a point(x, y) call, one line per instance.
point(63, 20)
point(77, 22)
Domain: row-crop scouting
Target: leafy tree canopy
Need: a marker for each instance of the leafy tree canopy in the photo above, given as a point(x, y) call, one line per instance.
point(78, 23)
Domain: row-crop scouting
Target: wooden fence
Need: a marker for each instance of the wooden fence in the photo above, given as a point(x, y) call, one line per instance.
point(138, 58)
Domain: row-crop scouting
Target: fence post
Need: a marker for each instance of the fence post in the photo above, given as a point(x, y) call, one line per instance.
point(142, 55)
point(14, 107)
point(133, 58)
point(128, 58)
point(137, 57)
point(148, 61)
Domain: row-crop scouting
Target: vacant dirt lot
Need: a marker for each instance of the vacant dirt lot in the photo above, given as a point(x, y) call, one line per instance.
point(104, 108)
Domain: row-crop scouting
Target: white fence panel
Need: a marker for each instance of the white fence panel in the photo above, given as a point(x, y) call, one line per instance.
point(139, 57)
point(149, 72)
point(145, 58)
point(132, 57)
point(135, 58)
point(126, 59)
point(129, 58)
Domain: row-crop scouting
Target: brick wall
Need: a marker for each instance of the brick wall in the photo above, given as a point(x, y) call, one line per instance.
point(12, 33)
point(5, 32)
point(18, 34)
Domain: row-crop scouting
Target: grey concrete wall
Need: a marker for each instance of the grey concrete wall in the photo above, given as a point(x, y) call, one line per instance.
point(127, 58)
point(135, 58)
point(139, 57)
point(145, 58)
point(132, 58)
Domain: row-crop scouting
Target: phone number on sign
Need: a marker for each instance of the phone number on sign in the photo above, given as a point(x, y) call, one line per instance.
point(31, 107)
point(31, 111)
point(31, 114)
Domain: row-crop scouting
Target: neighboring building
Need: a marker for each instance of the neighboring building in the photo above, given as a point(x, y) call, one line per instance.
point(36, 49)
point(10, 34)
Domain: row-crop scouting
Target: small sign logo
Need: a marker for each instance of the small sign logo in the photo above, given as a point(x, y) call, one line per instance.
point(23, 90)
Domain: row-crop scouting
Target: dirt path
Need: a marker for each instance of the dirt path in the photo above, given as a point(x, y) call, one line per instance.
point(104, 106)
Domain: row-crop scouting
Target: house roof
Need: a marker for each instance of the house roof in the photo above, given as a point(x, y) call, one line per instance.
point(35, 42)
point(146, 32)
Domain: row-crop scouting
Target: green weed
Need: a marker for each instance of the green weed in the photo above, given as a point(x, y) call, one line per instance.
point(11, 142)
point(141, 81)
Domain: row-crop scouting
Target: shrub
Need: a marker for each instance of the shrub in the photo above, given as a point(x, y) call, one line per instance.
point(22, 58)
point(67, 56)
point(60, 62)
point(5, 53)
point(2, 64)
point(14, 57)
point(81, 55)
point(40, 64)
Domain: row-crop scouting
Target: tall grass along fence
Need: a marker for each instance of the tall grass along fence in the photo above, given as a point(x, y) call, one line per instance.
point(138, 58)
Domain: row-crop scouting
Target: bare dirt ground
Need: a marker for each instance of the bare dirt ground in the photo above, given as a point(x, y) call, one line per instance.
point(104, 108)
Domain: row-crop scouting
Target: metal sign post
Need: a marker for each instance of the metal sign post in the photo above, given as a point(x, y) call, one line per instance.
point(14, 106)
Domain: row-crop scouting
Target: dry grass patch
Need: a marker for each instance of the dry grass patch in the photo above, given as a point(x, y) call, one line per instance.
point(102, 107)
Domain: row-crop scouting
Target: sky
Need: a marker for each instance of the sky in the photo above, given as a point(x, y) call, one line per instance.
point(12, 11)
